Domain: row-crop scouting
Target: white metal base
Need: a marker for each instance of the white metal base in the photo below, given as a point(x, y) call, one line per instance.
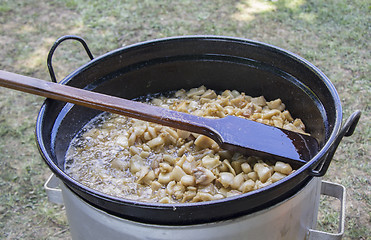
point(293, 218)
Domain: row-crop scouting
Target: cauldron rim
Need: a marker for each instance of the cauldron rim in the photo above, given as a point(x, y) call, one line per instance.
point(301, 174)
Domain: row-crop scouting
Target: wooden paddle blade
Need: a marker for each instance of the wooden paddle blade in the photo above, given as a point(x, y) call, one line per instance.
point(257, 139)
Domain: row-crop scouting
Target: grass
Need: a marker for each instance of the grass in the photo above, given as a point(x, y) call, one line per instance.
point(332, 34)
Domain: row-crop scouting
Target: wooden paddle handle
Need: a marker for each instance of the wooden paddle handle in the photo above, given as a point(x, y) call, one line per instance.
point(108, 103)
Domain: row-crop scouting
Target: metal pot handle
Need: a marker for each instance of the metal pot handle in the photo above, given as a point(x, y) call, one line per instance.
point(347, 130)
point(52, 189)
point(56, 44)
point(337, 191)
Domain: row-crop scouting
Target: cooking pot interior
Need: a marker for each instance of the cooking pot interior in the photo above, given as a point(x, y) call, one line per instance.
point(171, 64)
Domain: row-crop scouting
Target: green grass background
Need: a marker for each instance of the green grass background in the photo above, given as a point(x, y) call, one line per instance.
point(332, 34)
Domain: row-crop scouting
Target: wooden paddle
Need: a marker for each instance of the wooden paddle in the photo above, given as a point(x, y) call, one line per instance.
point(231, 133)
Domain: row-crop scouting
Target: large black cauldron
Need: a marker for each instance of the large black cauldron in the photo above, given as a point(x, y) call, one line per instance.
point(218, 63)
